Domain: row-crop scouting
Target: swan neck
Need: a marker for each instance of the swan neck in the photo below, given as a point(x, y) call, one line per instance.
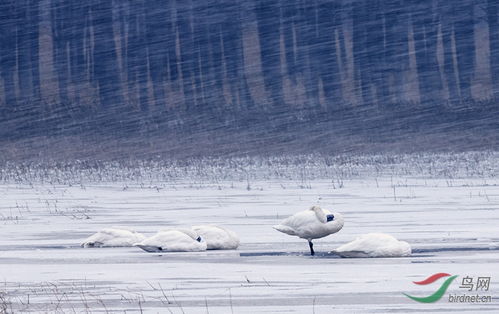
point(319, 213)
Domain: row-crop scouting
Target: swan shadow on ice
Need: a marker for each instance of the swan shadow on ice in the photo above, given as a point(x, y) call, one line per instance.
point(416, 252)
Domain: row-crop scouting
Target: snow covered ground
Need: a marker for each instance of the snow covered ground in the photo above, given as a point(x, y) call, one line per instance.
point(450, 220)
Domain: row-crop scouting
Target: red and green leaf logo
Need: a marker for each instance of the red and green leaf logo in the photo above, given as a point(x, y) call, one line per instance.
point(439, 293)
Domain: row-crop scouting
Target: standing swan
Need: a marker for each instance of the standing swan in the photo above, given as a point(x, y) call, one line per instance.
point(311, 224)
point(217, 238)
point(173, 240)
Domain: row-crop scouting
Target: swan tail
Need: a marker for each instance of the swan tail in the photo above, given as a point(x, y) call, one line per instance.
point(92, 244)
point(284, 229)
point(149, 248)
point(351, 254)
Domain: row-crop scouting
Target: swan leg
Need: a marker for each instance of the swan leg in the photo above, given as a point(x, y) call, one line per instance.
point(311, 245)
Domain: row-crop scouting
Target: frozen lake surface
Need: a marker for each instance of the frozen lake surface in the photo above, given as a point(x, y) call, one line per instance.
point(451, 224)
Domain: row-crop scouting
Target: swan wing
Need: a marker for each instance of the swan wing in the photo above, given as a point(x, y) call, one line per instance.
point(217, 238)
point(303, 224)
point(173, 241)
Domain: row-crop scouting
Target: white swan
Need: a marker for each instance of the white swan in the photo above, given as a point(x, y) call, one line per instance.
point(217, 238)
point(113, 237)
point(374, 245)
point(173, 240)
point(311, 224)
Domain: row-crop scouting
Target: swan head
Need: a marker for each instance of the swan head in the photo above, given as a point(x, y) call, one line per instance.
point(335, 218)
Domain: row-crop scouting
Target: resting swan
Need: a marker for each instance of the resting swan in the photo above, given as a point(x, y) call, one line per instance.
point(374, 245)
point(311, 224)
point(173, 240)
point(217, 238)
point(113, 237)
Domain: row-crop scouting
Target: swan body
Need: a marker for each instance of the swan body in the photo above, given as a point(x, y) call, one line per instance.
point(113, 237)
point(173, 240)
point(217, 238)
point(374, 245)
point(310, 224)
